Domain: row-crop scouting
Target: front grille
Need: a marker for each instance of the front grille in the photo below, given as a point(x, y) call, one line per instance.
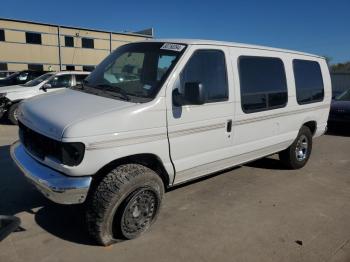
point(37, 144)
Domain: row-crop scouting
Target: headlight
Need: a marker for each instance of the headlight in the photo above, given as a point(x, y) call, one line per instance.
point(72, 153)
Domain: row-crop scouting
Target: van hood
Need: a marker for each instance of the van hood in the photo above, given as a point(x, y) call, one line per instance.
point(52, 113)
point(14, 88)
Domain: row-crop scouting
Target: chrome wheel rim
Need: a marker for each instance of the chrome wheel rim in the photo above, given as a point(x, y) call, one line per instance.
point(15, 114)
point(302, 148)
point(139, 213)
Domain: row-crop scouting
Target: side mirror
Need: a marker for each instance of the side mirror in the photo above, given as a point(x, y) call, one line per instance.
point(45, 87)
point(194, 94)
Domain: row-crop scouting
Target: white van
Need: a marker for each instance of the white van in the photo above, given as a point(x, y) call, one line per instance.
point(155, 114)
point(10, 96)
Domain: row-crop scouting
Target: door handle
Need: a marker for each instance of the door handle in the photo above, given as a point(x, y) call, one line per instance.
point(229, 126)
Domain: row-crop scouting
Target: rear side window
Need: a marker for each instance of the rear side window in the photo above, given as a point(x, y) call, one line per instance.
point(308, 81)
point(79, 79)
point(263, 83)
point(209, 68)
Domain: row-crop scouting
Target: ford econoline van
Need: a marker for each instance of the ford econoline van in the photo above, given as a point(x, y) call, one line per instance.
point(155, 114)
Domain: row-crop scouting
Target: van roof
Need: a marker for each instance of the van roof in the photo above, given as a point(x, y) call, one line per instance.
point(233, 44)
point(71, 72)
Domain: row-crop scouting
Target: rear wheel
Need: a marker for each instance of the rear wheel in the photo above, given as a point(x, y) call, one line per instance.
point(124, 204)
point(297, 155)
point(13, 114)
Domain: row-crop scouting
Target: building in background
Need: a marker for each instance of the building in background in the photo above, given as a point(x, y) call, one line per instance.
point(40, 46)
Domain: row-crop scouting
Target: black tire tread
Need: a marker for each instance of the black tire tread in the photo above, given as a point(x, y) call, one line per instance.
point(287, 156)
point(10, 113)
point(111, 186)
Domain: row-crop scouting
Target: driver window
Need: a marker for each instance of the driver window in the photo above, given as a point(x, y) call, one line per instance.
point(61, 81)
point(207, 67)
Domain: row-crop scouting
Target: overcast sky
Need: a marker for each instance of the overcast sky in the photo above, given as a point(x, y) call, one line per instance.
point(320, 27)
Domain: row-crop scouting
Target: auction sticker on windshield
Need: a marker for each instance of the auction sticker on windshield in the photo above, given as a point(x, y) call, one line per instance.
point(173, 47)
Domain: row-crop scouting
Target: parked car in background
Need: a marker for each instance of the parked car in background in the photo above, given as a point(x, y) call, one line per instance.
point(340, 110)
point(10, 96)
point(156, 114)
point(4, 74)
point(20, 77)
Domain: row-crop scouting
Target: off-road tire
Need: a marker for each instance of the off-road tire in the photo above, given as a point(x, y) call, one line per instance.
point(289, 156)
point(11, 114)
point(106, 204)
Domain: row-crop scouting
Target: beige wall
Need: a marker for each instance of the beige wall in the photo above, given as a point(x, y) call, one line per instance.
point(80, 56)
point(18, 54)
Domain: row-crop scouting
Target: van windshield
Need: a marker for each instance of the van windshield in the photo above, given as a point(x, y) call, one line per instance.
point(134, 72)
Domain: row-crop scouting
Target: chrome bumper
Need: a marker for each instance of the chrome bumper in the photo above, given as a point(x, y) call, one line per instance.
point(54, 185)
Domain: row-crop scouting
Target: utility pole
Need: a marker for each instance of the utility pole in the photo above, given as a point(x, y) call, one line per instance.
point(59, 46)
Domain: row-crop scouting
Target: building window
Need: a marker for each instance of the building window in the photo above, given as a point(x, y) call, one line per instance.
point(35, 67)
point(2, 35)
point(69, 41)
point(308, 81)
point(33, 38)
point(3, 66)
point(209, 68)
point(88, 68)
point(87, 43)
point(263, 83)
point(70, 67)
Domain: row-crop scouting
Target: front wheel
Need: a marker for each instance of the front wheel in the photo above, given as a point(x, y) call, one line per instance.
point(297, 155)
point(13, 114)
point(124, 204)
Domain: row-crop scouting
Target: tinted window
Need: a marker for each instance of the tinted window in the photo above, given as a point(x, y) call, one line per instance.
point(308, 81)
point(87, 43)
point(263, 83)
point(35, 67)
point(2, 35)
point(3, 66)
point(69, 41)
point(33, 38)
point(70, 67)
point(88, 68)
point(79, 78)
point(61, 81)
point(207, 67)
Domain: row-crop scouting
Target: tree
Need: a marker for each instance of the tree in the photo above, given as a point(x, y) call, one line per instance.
point(340, 68)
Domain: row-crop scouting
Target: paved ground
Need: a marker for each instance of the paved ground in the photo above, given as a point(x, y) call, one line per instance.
point(258, 212)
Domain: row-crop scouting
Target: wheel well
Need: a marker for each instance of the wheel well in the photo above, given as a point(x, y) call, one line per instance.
point(312, 125)
point(149, 160)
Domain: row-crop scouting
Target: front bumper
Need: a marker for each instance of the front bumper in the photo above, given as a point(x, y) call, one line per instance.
point(54, 185)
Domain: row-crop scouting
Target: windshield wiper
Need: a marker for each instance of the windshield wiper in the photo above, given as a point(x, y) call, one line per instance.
point(115, 90)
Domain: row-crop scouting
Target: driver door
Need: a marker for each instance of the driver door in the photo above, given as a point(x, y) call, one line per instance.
point(200, 136)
